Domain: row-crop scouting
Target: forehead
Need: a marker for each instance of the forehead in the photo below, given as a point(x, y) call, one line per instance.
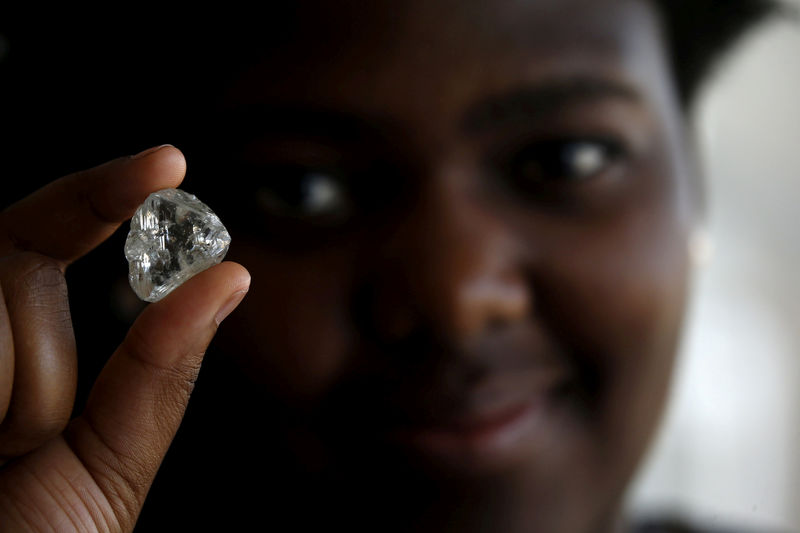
point(434, 58)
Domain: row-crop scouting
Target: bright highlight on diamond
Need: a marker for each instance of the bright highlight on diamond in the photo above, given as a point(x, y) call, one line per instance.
point(173, 236)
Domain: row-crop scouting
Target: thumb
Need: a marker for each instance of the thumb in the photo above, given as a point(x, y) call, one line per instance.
point(140, 397)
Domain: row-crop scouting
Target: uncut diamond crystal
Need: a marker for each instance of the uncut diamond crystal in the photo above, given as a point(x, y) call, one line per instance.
point(173, 236)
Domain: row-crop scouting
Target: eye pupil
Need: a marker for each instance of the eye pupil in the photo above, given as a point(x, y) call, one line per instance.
point(560, 160)
point(302, 194)
point(320, 192)
point(586, 159)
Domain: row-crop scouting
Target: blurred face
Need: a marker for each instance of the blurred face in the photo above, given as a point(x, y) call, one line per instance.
point(466, 224)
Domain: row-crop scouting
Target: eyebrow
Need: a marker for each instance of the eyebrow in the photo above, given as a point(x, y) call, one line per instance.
point(524, 104)
point(534, 102)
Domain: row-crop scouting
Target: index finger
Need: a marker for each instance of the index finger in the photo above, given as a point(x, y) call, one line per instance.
point(70, 216)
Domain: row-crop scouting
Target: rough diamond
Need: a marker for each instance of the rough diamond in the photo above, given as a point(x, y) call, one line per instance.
point(173, 236)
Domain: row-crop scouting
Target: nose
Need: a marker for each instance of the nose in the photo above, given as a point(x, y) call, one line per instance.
point(449, 267)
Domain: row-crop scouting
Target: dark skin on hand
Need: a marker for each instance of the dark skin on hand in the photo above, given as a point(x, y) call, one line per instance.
point(467, 226)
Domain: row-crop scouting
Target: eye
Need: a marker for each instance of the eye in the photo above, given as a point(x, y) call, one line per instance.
point(303, 193)
point(564, 160)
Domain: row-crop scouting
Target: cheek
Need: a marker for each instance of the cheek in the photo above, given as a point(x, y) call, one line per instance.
point(621, 297)
point(291, 332)
point(616, 300)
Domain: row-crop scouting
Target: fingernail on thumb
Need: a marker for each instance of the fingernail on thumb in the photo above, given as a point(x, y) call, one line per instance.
point(149, 151)
point(228, 307)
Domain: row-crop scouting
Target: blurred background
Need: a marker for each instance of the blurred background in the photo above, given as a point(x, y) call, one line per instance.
point(729, 450)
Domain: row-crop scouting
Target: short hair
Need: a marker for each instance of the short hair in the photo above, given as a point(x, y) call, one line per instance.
point(700, 32)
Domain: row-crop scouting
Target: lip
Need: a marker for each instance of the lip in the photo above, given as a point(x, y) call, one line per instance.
point(477, 441)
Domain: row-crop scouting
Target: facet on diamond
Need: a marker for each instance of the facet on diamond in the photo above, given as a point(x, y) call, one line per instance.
point(173, 236)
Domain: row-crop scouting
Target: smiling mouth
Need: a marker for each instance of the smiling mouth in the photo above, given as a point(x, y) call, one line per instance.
point(461, 409)
point(483, 441)
point(472, 435)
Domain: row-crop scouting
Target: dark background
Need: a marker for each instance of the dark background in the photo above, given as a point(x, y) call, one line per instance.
point(73, 95)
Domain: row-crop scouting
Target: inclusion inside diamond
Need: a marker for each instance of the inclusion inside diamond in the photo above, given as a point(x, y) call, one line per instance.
point(173, 236)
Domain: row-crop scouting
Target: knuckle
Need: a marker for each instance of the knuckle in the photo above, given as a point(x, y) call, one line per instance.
point(29, 262)
point(176, 384)
point(20, 437)
point(185, 372)
point(53, 416)
point(139, 346)
point(39, 274)
point(48, 424)
point(35, 292)
point(36, 280)
point(180, 381)
point(182, 366)
point(177, 378)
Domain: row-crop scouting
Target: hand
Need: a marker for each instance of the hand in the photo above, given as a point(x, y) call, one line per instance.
point(92, 473)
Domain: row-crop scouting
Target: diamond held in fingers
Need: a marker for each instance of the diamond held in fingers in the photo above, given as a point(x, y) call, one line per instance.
point(173, 236)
